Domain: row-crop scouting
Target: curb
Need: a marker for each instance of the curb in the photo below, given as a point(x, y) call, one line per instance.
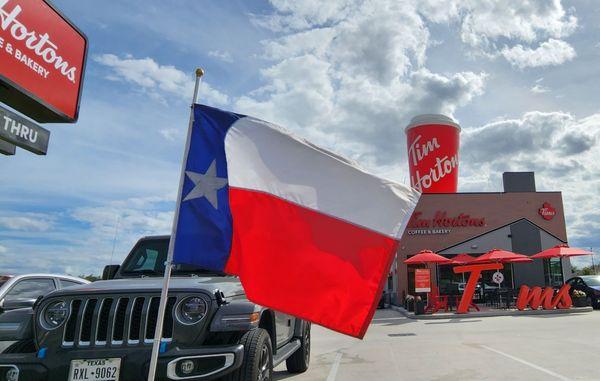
point(410, 315)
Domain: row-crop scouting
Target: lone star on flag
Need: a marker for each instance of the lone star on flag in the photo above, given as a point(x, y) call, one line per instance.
point(206, 185)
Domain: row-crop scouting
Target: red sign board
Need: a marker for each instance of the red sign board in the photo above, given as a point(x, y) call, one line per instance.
point(422, 280)
point(42, 59)
point(547, 211)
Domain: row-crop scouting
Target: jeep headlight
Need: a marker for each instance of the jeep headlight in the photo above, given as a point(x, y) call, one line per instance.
point(55, 314)
point(191, 310)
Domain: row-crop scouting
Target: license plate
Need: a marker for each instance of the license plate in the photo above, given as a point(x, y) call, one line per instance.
point(95, 370)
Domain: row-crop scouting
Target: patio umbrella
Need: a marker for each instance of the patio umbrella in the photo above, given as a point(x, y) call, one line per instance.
point(462, 259)
point(560, 251)
point(426, 256)
point(501, 256)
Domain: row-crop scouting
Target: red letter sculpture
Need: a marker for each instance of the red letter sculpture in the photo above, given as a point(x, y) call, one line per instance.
point(467, 296)
point(535, 298)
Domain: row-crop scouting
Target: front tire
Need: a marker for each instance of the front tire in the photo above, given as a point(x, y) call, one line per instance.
point(258, 357)
point(299, 361)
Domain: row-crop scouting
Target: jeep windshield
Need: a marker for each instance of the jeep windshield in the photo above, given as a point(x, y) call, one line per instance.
point(148, 259)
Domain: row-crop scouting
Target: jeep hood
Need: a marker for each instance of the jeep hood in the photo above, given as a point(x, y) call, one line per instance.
point(230, 286)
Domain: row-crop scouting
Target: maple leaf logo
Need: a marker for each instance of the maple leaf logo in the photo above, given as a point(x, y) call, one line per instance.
point(547, 211)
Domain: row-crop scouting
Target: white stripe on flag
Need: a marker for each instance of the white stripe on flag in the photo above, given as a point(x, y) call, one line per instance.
point(263, 157)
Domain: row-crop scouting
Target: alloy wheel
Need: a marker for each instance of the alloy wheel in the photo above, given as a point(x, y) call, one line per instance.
point(264, 367)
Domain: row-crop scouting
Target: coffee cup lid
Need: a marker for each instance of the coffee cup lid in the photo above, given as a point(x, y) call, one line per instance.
point(420, 120)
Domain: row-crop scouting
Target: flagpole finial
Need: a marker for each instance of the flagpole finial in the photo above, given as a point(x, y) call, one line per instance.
point(199, 72)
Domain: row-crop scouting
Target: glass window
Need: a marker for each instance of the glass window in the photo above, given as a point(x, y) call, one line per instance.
point(31, 288)
point(146, 261)
point(64, 283)
point(148, 258)
point(553, 272)
point(592, 281)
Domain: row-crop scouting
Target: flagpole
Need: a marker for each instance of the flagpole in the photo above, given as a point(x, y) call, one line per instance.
point(169, 261)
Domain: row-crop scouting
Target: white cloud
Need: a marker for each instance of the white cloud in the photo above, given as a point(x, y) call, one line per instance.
point(159, 81)
point(549, 53)
point(559, 147)
point(539, 89)
point(132, 217)
point(350, 74)
point(495, 28)
point(221, 55)
point(170, 134)
point(26, 221)
point(298, 15)
point(485, 22)
point(3, 249)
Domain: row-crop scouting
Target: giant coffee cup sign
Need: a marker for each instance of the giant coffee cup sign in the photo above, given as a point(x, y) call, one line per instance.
point(433, 142)
point(42, 59)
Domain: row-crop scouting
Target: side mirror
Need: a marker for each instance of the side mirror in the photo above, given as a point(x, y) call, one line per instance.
point(110, 271)
point(13, 304)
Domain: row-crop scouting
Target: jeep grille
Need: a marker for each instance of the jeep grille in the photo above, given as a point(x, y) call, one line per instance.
point(116, 321)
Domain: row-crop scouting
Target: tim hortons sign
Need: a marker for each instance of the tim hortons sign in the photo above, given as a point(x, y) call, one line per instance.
point(441, 223)
point(547, 211)
point(441, 219)
point(42, 60)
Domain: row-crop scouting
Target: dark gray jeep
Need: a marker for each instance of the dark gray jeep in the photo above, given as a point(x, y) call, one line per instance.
point(104, 330)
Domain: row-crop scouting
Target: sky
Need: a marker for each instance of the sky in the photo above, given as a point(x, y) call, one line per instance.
point(519, 76)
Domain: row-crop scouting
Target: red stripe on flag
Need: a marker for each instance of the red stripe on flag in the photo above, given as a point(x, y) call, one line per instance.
point(307, 264)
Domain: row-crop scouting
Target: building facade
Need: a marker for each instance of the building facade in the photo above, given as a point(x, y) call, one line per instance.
point(519, 220)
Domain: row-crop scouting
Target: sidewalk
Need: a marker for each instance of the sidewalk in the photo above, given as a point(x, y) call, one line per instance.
point(487, 312)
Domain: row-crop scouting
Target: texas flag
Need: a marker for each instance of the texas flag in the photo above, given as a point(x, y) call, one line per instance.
point(308, 232)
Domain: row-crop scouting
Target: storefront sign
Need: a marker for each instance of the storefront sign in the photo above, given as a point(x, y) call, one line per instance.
point(23, 133)
point(547, 211)
point(441, 219)
point(422, 280)
point(42, 59)
point(7, 148)
point(428, 231)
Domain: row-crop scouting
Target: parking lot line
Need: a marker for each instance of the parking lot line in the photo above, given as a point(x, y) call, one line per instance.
point(548, 372)
point(392, 318)
point(334, 367)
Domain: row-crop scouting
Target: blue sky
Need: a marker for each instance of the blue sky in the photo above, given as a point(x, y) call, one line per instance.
point(520, 77)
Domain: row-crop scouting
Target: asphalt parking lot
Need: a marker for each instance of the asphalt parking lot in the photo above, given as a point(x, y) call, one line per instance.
point(546, 347)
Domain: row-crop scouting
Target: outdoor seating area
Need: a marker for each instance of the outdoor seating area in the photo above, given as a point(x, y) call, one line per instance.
point(432, 298)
